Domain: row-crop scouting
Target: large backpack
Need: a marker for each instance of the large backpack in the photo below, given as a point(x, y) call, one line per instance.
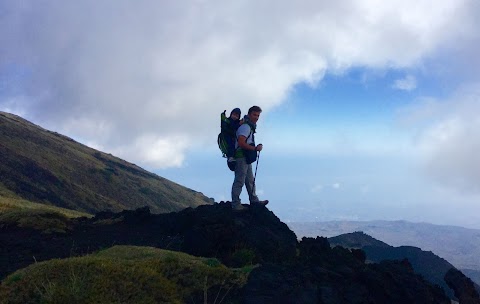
point(222, 144)
point(226, 139)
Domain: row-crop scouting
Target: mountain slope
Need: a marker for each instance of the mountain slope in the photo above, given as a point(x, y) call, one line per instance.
point(460, 246)
point(426, 263)
point(52, 169)
point(356, 240)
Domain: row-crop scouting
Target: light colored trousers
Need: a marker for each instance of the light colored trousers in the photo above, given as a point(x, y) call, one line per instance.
point(243, 176)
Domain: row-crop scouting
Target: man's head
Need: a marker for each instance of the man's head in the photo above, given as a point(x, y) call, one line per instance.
point(235, 114)
point(254, 113)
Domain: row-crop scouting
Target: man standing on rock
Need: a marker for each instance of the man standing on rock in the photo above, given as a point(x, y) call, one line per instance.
point(245, 155)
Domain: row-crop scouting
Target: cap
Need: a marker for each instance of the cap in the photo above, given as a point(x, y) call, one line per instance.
point(236, 110)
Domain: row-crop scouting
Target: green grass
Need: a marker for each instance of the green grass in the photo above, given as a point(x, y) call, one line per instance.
point(8, 204)
point(26, 214)
point(125, 274)
point(46, 167)
point(43, 220)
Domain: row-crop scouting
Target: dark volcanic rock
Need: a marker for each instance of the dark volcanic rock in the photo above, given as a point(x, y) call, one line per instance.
point(462, 286)
point(425, 263)
point(288, 271)
point(222, 233)
point(324, 275)
point(255, 234)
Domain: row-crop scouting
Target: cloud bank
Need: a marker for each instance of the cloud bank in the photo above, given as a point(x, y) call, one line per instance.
point(146, 80)
point(447, 138)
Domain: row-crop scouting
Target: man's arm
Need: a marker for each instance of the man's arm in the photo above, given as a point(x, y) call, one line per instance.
point(242, 143)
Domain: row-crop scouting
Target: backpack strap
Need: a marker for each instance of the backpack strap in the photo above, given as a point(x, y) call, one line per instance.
point(252, 133)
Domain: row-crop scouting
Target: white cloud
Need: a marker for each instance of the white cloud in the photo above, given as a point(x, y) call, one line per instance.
point(408, 83)
point(163, 151)
point(447, 139)
point(111, 72)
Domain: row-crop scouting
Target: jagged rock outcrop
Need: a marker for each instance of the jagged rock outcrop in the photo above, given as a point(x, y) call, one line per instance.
point(462, 286)
point(325, 275)
point(432, 267)
point(255, 235)
point(288, 271)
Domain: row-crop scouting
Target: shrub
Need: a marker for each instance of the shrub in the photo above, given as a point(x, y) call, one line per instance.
point(243, 257)
point(124, 274)
point(87, 280)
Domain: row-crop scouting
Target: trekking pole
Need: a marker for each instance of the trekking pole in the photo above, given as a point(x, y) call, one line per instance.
point(256, 167)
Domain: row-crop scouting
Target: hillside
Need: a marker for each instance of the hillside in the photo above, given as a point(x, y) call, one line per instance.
point(46, 167)
point(280, 269)
point(460, 246)
point(356, 239)
point(430, 266)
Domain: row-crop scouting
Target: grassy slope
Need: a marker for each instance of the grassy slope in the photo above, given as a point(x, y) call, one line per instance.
point(26, 214)
point(124, 274)
point(46, 167)
point(9, 204)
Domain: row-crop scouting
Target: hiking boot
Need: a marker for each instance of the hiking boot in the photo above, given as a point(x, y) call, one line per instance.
point(260, 203)
point(239, 207)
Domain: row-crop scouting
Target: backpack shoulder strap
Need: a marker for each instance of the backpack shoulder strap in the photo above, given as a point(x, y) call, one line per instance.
point(252, 132)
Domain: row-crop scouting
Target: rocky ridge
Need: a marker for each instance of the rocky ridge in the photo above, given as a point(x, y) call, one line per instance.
point(290, 271)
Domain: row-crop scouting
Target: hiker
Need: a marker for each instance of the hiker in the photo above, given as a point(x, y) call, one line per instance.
point(229, 126)
point(245, 155)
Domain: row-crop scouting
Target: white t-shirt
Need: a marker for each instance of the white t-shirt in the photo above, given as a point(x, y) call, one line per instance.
point(244, 130)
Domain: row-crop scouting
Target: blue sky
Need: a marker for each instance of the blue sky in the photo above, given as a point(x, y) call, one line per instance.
point(371, 108)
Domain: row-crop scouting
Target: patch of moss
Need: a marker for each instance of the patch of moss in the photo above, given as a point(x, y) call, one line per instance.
point(9, 204)
point(124, 274)
point(194, 276)
point(88, 280)
point(43, 220)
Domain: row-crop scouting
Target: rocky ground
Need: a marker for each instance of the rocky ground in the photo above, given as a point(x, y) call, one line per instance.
point(308, 271)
